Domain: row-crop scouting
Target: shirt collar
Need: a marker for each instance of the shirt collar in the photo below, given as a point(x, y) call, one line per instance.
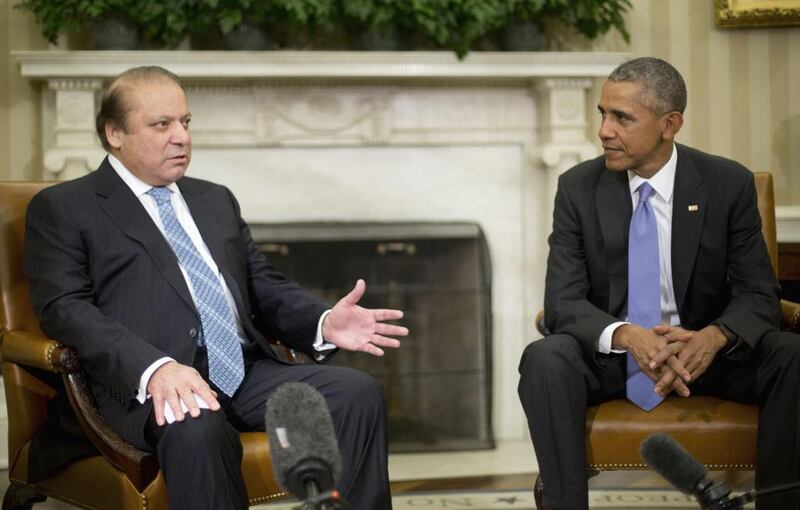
point(663, 181)
point(138, 186)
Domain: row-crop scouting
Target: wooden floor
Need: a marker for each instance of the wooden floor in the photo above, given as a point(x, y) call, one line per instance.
point(611, 480)
point(515, 482)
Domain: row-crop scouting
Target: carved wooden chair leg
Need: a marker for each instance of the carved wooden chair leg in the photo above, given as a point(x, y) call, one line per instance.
point(21, 497)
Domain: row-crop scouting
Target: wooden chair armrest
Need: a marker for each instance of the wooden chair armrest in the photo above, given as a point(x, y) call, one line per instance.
point(140, 467)
point(36, 350)
point(790, 316)
point(290, 354)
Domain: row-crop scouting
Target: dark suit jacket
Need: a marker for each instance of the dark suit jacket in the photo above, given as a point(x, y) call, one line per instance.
point(720, 267)
point(105, 281)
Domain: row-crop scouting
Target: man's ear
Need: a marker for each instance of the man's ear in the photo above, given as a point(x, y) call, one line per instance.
point(114, 135)
point(674, 122)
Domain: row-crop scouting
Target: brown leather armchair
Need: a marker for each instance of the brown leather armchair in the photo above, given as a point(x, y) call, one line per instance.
point(119, 476)
point(705, 426)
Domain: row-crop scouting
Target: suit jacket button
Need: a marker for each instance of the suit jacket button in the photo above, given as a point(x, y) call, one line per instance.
point(193, 333)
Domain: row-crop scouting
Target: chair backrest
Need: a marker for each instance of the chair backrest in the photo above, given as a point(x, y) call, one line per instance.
point(130, 478)
point(766, 207)
point(15, 306)
point(26, 395)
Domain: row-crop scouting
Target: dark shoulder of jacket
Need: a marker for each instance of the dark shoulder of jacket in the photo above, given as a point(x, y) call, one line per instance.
point(65, 195)
point(714, 166)
point(197, 185)
point(584, 174)
point(210, 189)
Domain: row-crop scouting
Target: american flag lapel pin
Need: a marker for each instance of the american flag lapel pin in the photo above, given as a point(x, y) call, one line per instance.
point(694, 208)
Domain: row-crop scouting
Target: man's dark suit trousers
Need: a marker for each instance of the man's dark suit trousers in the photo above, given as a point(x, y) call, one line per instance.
point(558, 381)
point(209, 446)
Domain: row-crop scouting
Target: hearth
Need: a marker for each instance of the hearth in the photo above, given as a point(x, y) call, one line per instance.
point(438, 384)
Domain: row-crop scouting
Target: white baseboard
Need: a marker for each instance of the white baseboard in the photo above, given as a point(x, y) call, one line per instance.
point(3, 428)
point(507, 458)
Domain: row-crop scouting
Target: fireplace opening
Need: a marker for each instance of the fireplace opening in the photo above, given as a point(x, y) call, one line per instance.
point(438, 385)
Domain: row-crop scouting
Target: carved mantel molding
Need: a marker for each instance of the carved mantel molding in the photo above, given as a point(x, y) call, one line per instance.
point(342, 98)
point(320, 64)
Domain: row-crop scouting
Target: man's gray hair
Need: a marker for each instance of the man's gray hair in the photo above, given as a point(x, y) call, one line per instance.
point(663, 88)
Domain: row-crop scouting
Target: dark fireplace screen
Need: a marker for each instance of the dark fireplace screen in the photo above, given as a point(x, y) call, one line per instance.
point(438, 385)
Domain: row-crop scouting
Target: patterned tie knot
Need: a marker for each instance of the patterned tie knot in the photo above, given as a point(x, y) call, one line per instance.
point(161, 194)
point(645, 190)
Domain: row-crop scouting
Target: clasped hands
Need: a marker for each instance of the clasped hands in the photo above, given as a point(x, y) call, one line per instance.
point(669, 355)
point(347, 326)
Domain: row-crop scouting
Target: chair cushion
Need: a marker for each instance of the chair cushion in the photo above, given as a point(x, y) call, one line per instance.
point(719, 433)
point(257, 469)
point(93, 482)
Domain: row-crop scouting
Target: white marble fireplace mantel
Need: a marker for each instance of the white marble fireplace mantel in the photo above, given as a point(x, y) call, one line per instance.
point(369, 136)
point(319, 64)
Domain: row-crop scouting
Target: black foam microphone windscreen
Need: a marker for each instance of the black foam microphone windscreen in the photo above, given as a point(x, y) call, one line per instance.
point(302, 440)
point(668, 458)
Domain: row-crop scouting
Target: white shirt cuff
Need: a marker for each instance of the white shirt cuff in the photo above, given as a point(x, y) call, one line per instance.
point(321, 346)
point(141, 393)
point(604, 342)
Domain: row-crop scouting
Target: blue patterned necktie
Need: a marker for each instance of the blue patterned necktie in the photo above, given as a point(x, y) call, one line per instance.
point(644, 292)
point(220, 334)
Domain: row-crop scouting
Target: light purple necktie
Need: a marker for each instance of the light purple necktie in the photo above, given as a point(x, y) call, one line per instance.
point(644, 292)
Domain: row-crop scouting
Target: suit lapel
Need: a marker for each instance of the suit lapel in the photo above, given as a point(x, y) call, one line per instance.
point(204, 214)
point(122, 206)
point(614, 209)
point(688, 212)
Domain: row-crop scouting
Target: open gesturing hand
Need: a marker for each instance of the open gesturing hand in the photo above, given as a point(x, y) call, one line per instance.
point(355, 328)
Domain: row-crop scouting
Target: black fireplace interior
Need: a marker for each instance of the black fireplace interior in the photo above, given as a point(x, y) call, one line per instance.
point(438, 385)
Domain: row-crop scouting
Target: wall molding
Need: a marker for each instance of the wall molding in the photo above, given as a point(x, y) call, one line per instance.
point(787, 222)
point(406, 65)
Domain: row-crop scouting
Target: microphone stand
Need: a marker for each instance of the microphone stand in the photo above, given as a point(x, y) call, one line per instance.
point(739, 501)
point(328, 500)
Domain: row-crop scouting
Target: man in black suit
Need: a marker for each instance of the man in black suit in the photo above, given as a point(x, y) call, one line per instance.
point(154, 279)
point(715, 295)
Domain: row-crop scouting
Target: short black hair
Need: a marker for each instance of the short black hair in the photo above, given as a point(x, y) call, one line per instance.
point(663, 88)
point(114, 106)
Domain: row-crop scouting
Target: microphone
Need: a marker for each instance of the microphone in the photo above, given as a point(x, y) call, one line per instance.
point(687, 474)
point(669, 459)
point(303, 447)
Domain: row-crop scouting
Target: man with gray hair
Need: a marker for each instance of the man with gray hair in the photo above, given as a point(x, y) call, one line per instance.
point(154, 279)
point(658, 281)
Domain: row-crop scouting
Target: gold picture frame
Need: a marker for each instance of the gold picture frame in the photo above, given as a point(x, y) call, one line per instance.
point(756, 13)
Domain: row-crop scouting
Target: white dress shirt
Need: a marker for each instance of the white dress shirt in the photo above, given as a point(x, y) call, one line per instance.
point(663, 183)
